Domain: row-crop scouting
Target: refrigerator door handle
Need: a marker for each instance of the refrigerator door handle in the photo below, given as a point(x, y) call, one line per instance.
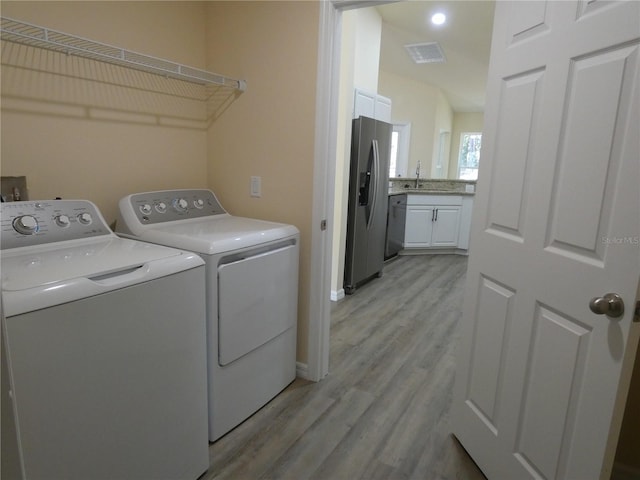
point(374, 179)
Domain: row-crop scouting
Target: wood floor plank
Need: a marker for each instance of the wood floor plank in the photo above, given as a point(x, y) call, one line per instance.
point(383, 410)
point(249, 451)
point(312, 448)
point(368, 438)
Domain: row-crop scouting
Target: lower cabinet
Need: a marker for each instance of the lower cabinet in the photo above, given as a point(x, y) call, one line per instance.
point(437, 221)
point(432, 226)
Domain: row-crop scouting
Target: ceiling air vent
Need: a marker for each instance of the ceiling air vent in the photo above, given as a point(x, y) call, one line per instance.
point(425, 52)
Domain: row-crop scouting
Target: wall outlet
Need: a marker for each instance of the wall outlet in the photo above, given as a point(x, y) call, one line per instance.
point(256, 187)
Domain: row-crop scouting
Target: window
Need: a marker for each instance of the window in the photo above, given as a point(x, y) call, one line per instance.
point(441, 166)
point(398, 163)
point(393, 161)
point(469, 157)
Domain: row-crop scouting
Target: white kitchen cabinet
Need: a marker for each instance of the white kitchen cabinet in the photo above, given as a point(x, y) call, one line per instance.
point(446, 225)
point(371, 105)
point(437, 221)
point(418, 227)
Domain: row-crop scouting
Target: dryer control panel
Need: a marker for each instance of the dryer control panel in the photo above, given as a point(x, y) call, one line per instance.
point(168, 205)
point(48, 221)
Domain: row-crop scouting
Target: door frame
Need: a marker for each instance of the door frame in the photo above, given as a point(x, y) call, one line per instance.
point(324, 185)
point(324, 181)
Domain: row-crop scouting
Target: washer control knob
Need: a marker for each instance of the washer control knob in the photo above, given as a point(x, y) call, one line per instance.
point(161, 207)
point(62, 221)
point(180, 204)
point(26, 225)
point(85, 218)
point(199, 203)
point(145, 209)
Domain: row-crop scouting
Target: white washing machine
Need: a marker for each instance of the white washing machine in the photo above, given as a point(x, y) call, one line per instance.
point(104, 347)
point(252, 293)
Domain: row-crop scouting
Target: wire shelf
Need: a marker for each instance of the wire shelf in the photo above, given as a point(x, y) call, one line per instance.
point(24, 33)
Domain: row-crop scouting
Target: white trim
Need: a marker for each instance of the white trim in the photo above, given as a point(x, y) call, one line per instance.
point(324, 174)
point(404, 144)
point(337, 295)
point(302, 370)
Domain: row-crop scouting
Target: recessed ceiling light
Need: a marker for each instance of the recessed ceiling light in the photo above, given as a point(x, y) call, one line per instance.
point(438, 18)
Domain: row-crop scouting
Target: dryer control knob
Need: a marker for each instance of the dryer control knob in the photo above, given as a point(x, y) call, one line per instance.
point(26, 225)
point(85, 218)
point(198, 203)
point(180, 204)
point(145, 209)
point(62, 221)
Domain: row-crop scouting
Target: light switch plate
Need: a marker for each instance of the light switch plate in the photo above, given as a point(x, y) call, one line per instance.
point(256, 187)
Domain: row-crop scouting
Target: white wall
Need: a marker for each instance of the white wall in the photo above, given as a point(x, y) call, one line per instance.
point(268, 130)
point(82, 129)
point(367, 25)
point(443, 125)
point(426, 108)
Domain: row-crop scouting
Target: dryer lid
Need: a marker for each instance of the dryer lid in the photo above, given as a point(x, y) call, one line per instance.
point(217, 234)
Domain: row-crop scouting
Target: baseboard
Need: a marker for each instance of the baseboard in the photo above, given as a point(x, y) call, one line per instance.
point(337, 295)
point(622, 471)
point(302, 370)
point(433, 251)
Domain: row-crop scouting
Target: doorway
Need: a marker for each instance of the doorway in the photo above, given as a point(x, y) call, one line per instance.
point(331, 125)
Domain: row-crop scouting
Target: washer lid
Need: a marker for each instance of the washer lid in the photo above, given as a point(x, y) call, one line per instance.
point(218, 234)
point(30, 268)
point(37, 278)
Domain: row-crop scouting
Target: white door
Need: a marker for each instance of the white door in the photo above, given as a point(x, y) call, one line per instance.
point(557, 223)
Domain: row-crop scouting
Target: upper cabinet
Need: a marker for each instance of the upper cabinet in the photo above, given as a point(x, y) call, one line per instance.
point(371, 105)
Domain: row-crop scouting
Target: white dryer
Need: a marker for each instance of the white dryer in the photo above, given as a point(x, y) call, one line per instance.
point(252, 293)
point(103, 339)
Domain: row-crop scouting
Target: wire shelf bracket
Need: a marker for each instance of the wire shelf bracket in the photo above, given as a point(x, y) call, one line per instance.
point(17, 31)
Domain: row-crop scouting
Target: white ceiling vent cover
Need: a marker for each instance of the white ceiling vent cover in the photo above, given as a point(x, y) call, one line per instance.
point(426, 52)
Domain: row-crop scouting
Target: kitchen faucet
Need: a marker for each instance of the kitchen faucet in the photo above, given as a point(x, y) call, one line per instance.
point(417, 173)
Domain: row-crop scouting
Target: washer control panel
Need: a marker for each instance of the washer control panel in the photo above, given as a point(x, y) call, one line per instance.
point(47, 221)
point(168, 205)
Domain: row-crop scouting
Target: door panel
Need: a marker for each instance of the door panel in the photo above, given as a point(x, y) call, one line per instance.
point(495, 313)
point(587, 166)
point(527, 20)
point(556, 223)
point(556, 365)
point(509, 182)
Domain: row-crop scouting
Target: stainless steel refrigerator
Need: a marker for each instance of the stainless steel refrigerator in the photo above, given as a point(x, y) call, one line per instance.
point(367, 212)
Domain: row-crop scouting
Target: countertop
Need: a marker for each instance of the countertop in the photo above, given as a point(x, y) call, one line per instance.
point(399, 186)
point(425, 191)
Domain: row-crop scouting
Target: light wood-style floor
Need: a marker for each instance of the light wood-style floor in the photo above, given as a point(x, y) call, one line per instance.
point(383, 410)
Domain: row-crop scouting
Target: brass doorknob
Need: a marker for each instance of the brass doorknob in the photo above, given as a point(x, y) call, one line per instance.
point(610, 304)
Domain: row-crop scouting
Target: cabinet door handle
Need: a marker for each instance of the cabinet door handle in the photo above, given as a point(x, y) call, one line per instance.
point(433, 215)
point(436, 212)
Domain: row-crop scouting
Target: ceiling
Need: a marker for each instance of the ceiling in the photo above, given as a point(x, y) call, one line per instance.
point(465, 40)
